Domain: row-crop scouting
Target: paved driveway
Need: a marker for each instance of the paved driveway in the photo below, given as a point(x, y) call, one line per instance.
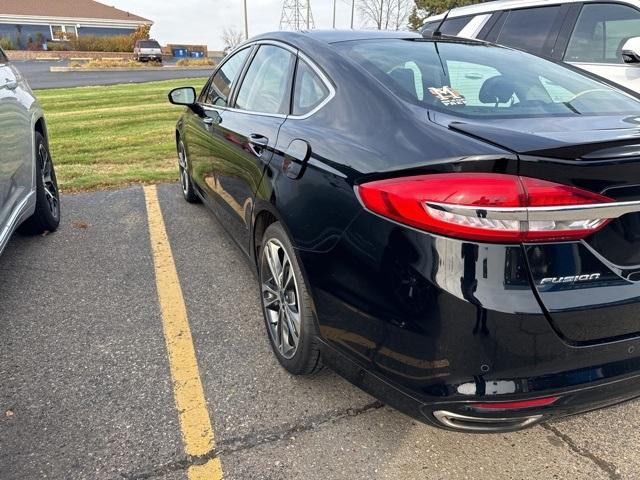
point(86, 390)
point(38, 75)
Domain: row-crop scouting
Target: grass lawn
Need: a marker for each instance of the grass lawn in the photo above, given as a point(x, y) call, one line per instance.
point(109, 136)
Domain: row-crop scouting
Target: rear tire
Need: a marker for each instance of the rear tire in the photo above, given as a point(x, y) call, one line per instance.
point(186, 183)
point(46, 217)
point(286, 305)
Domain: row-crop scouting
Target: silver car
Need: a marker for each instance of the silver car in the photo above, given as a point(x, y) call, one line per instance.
point(599, 36)
point(29, 196)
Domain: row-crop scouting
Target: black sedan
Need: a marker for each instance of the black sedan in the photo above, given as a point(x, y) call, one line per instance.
point(451, 225)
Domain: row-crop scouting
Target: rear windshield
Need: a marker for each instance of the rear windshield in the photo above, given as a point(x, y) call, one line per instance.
point(149, 44)
point(477, 80)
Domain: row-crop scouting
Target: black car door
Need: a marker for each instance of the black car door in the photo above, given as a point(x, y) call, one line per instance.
point(199, 129)
point(245, 136)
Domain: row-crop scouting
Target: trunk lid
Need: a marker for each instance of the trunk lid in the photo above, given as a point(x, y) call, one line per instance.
point(590, 289)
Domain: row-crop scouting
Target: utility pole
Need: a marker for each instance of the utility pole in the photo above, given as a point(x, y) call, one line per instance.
point(353, 11)
point(294, 13)
point(246, 22)
point(334, 14)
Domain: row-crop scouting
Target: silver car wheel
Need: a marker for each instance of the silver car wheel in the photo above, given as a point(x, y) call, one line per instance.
point(184, 172)
point(280, 298)
point(48, 181)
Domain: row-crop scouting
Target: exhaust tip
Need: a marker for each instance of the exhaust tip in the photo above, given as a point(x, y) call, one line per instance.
point(469, 423)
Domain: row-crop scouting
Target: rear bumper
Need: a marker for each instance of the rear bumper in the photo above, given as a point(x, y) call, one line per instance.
point(146, 56)
point(461, 415)
point(430, 324)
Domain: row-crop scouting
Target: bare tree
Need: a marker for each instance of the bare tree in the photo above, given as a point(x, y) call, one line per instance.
point(231, 37)
point(385, 14)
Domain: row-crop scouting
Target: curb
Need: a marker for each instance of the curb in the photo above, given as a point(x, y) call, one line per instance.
point(127, 69)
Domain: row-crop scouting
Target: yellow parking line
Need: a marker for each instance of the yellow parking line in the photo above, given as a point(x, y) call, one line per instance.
point(197, 432)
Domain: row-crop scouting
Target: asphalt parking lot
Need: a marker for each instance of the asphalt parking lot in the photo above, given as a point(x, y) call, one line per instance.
point(86, 389)
point(39, 76)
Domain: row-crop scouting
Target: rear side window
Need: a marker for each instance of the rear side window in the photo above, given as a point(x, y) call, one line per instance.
point(600, 33)
point(528, 29)
point(220, 86)
point(451, 26)
point(267, 83)
point(309, 90)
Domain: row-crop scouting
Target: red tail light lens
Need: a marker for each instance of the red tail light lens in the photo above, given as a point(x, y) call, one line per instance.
point(486, 207)
point(536, 402)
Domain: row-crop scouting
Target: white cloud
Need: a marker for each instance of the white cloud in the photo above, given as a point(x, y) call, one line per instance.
point(202, 21)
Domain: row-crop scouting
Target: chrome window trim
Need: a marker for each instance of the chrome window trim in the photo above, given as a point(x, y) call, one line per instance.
point(594, 211)
point(324, 79)
point(327, 83)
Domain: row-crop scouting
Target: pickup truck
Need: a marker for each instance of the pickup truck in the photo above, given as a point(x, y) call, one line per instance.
point(148, 50)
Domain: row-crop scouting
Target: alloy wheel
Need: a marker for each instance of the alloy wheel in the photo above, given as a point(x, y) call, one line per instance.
point(280, 298)
point(182, 165)
point(48, 181)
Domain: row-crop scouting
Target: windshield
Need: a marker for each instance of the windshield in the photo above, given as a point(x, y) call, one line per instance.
point(149, 44)
point(478, 80)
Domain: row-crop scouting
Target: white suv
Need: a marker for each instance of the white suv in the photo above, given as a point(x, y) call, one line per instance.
point(28, 188)
point(602, 37)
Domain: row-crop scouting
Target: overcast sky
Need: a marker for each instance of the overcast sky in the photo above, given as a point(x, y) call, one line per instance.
point(202, 21)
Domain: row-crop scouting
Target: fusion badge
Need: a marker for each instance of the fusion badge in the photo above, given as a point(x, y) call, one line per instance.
point(572, 279)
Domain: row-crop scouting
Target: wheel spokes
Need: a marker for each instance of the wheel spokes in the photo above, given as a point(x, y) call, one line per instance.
point(280, 298)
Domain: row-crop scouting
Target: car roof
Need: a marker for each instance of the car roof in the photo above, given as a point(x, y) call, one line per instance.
point(334, 36)
point(499, 5)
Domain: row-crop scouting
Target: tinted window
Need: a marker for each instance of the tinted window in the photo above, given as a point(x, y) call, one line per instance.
point(266, 85)
point(528, 29)
point(220, 86)
point(600, 33)
point(478, 80)
point(148, 44)
point(309, 91)
point(451, 26)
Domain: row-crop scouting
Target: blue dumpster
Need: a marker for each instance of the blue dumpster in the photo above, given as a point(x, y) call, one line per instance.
point(196, 54)
point(180, 52)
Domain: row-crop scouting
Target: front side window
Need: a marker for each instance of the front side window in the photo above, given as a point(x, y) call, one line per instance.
point(220, 86)
point(528, 29)
point(309, 90)
point(472, 79)
point(600, 33)
point(266, 85)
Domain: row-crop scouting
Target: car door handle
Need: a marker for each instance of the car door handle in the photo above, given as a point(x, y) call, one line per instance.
point(10, 84)
point(258, 143)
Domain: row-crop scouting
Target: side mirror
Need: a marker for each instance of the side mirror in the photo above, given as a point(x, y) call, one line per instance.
point(183, 96)
point(631, 50)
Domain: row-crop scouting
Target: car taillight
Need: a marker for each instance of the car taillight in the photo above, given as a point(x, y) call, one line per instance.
point(487, 206)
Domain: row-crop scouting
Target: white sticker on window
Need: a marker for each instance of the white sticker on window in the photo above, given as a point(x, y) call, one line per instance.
point(448, 96)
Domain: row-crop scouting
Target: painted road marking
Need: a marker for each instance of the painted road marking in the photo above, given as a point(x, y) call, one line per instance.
point(197, 432)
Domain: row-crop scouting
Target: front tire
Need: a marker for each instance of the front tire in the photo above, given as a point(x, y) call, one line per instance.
point(286, 305)
point(46, 217)
point(185, 178)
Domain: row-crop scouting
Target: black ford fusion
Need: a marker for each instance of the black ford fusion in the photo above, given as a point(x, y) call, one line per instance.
point(451, 225)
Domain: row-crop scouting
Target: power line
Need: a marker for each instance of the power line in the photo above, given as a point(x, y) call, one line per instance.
point(297, 15)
